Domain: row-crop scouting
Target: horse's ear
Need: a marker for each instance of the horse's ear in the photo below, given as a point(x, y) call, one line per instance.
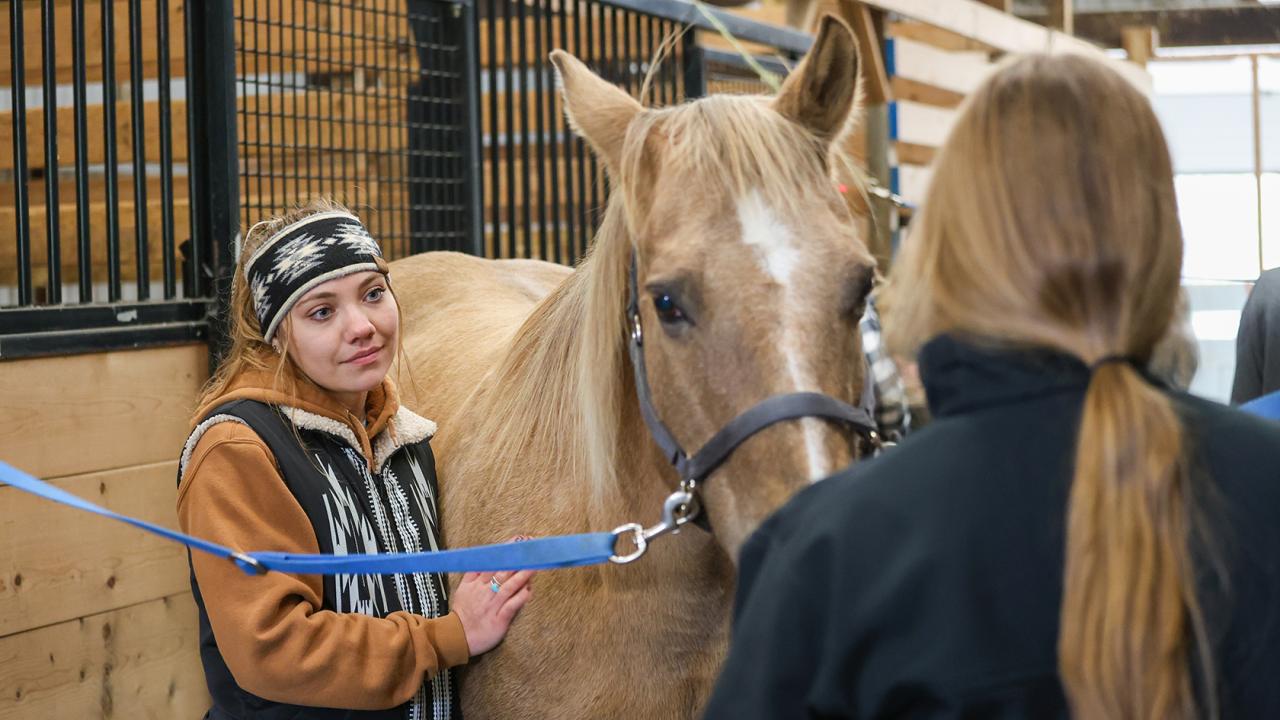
point(598, 110)
point(820, 93)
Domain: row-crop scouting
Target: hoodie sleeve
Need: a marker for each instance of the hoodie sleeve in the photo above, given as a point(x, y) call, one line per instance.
point(276, 640)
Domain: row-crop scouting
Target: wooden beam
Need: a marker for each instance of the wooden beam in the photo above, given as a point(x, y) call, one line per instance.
point(1140, 43)
point(1061, 16)
point(1240, 25)
point(873, 68)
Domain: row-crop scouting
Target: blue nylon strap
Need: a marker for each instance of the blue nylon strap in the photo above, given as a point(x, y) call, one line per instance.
point(536, 554)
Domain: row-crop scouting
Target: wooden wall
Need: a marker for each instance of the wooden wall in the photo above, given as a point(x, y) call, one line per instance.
point(96, 617)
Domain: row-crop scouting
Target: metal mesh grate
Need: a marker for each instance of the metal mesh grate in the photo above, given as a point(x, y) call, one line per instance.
point(544, 192)
point(363, 101)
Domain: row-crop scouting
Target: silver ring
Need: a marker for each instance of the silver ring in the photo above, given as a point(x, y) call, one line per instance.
point(494, 585)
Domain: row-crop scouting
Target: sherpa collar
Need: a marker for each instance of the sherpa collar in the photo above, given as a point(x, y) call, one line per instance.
point(386, 426)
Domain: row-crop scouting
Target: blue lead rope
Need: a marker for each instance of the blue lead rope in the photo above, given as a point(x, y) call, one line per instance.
point(537, 554)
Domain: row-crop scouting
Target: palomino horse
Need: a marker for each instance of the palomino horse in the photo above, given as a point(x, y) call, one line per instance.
point(751, 280)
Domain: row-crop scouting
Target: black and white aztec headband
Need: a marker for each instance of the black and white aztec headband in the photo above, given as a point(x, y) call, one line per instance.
point(316, 249)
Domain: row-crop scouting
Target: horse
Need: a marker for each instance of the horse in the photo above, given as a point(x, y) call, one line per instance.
point(751, 280)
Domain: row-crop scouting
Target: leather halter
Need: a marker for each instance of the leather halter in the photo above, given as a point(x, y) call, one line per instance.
point(695, 468)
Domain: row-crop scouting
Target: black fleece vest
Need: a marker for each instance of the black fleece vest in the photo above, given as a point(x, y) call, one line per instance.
point(352, 511)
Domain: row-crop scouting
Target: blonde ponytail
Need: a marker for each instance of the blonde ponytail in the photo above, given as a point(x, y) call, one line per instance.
point(1129, 608)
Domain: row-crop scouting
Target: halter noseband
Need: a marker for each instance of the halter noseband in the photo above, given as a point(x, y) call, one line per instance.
point(682, 506)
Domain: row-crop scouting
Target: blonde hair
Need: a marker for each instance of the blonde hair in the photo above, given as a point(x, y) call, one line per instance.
point(248, 349)
point(1051, 221)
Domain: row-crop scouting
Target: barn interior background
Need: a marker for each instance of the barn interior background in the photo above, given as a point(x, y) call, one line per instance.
point(142, 135)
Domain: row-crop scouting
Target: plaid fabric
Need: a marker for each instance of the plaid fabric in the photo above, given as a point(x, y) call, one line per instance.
point(892, 412)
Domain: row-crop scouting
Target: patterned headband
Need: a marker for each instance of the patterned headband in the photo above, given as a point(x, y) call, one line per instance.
point(314, 250)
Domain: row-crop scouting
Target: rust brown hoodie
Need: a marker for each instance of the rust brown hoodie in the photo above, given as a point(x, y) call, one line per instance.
point(271, 630)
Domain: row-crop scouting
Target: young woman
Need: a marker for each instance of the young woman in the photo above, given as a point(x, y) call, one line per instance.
point(300, 445)
point(1068, 537)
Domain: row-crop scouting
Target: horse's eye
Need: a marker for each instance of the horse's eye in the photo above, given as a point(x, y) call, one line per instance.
point(668, 311)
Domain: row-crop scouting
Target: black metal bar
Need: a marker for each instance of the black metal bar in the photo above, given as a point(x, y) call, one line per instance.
point(584, 224)
point(538, 67)
point(474, 158)
point(214, 140)
point(627, 49)
point(21, 202)
point(509, 90)
point(599, 60)
point(305, 33)
point(570, 140)
point(522, 82)
point(138, 114)
point(694, 69)
point(84, 236)
point(193, 264)
point(111, 160)
point(166, 152)
point(544, 66)
point(96, 340)
point(50, 107)
point(492, 132)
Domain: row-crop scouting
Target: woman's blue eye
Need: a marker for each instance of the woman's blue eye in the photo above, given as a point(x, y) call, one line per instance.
point(375, 294)
point(320, 313)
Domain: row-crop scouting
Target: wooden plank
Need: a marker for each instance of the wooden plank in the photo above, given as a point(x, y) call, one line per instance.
point(904, 89)
point(935, 36)
point(58, 564)
point(1140, 43)
point(93, 41)
point(68, 236)
point(957, 71)
point(137, 662)
point(876, 78)
point(911, 154)
point(921, 124)
point(1002, 31)
point(96, 138)
point(116, 409)
point(279, 119)
point(913, 183)
point(1061, 16)
point(988, 25)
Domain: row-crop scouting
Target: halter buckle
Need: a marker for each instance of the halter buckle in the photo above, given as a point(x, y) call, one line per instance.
point(637, 333)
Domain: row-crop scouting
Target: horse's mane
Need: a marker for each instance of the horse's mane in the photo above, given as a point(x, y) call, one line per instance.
point(559, 392)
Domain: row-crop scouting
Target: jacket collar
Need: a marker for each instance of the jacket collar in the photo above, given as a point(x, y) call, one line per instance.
point(965, 375)
point(385, 427)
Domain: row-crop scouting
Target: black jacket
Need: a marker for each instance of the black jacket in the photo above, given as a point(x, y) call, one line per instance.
point(1258, 341)
point(927, 582)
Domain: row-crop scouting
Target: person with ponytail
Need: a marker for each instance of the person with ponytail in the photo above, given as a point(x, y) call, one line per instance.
point(1069, 537)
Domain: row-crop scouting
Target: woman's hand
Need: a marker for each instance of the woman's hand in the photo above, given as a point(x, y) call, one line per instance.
point(486, 613)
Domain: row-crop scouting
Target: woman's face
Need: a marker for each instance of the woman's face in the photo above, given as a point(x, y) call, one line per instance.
point(343, 333)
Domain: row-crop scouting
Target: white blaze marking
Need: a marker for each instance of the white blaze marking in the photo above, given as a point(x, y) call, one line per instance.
point(775, 244)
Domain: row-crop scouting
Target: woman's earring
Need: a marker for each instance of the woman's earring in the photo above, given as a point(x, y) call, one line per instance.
point(275, 344)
